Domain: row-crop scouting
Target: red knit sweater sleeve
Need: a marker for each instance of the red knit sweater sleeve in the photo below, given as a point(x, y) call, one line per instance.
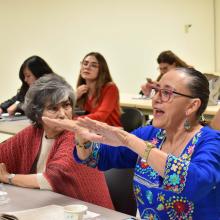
point(109, 100)
point(72, 179)
point(17, 151)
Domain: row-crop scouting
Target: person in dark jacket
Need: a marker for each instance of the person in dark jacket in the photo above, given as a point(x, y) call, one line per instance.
point(32, 68)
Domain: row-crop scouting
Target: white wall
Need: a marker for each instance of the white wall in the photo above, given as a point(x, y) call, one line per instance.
point(129, 33)
point(217, 33)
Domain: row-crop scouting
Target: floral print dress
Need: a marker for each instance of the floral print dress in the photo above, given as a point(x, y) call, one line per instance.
point(190, 187)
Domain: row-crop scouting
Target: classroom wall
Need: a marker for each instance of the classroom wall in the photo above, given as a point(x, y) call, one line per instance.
point(217, 33)
point(129, 33)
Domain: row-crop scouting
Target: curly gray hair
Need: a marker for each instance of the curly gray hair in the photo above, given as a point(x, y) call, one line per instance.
point(50, 88)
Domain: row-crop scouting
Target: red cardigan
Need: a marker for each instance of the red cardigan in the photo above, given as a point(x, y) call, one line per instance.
point(67, 177)
point(108, 108)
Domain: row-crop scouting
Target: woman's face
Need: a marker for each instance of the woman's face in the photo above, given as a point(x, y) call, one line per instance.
point(89, 68)
point(165, 67)
point(63, 110)
point(29, 77)
point(169, 109)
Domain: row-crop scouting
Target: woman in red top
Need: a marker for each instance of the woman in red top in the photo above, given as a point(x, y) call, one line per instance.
point(96, 92)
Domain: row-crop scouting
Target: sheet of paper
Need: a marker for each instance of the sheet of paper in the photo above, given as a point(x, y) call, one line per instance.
point(51, 212)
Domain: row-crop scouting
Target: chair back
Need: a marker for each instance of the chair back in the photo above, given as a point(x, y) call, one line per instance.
point(120, 185)
point(131, 118)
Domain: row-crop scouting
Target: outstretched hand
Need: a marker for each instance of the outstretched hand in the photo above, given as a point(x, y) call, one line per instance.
point(92, 130)
point(103, 133)
point(65, 124)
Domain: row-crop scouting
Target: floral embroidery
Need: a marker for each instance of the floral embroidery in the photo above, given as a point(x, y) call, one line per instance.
point(138, 194)
point(177, 167)
point(168, 204)
point(92, 160)
point(149, 196)
point(161, 197)
point(142, 167)
point(179, 208)
point(174, 179)
point(154, 141)
point(149, 214)
point(161, 134)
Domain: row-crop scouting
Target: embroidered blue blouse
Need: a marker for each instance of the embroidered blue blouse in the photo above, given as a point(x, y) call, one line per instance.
point(190, 188)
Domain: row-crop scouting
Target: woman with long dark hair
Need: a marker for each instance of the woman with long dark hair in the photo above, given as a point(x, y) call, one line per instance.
point(32, 68)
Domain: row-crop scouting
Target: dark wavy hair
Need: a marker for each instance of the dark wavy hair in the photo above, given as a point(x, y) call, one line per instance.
point(37, 66)
point(50, 88)
point(169, 57)
point(103, 78)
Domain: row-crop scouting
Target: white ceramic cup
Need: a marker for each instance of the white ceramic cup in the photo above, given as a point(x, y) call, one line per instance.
point(74, 212)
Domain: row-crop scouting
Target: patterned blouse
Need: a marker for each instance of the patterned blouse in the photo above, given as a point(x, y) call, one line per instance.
point(190, 188)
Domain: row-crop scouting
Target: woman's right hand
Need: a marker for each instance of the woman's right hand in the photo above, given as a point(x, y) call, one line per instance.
point(81, 90)
point(146, 88)
point(1, 111)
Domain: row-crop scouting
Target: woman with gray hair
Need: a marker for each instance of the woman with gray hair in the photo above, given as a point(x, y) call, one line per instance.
point(40, 156)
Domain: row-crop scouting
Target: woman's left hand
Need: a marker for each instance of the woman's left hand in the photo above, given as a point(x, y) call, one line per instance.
point(102, 133)
point(3, 173)
point(12, 109)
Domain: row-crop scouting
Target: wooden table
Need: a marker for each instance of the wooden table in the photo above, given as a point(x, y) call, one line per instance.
point(24, 198)
point(145, 105)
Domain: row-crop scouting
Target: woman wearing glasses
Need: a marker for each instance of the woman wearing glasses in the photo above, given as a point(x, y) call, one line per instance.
point(176, 160)
point(96, 92)
point(167, 60)
point(40, 156)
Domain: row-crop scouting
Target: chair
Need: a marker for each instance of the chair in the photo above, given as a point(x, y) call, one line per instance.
point(120, 181)
point(132, 118)
point(120, 185)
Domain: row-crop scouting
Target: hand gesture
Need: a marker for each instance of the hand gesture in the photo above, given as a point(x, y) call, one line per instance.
point(3, 173)
point(81, 90)
point(82, 134)
point(146, 88)
point(102, 133)
point(12, 109)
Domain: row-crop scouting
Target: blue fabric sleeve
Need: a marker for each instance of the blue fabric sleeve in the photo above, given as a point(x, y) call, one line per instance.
point(197, 177)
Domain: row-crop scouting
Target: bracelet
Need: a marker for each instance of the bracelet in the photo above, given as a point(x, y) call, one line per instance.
point(147, 150)
point(85, 145)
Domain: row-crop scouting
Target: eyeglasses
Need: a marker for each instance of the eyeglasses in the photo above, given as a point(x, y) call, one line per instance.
point(166, 94)
point(88, 64)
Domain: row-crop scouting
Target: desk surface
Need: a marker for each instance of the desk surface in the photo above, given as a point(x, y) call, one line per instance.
point(24, 198)
point(129, 100)
point(13, 127)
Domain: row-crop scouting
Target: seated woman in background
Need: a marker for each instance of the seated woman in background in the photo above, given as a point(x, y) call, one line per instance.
point(166, 60)
point(32, 68)
point(176, 160)
point(96, 92)
point(40, 156)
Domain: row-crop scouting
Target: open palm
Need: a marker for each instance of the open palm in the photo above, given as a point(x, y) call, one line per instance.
point(101, 132)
